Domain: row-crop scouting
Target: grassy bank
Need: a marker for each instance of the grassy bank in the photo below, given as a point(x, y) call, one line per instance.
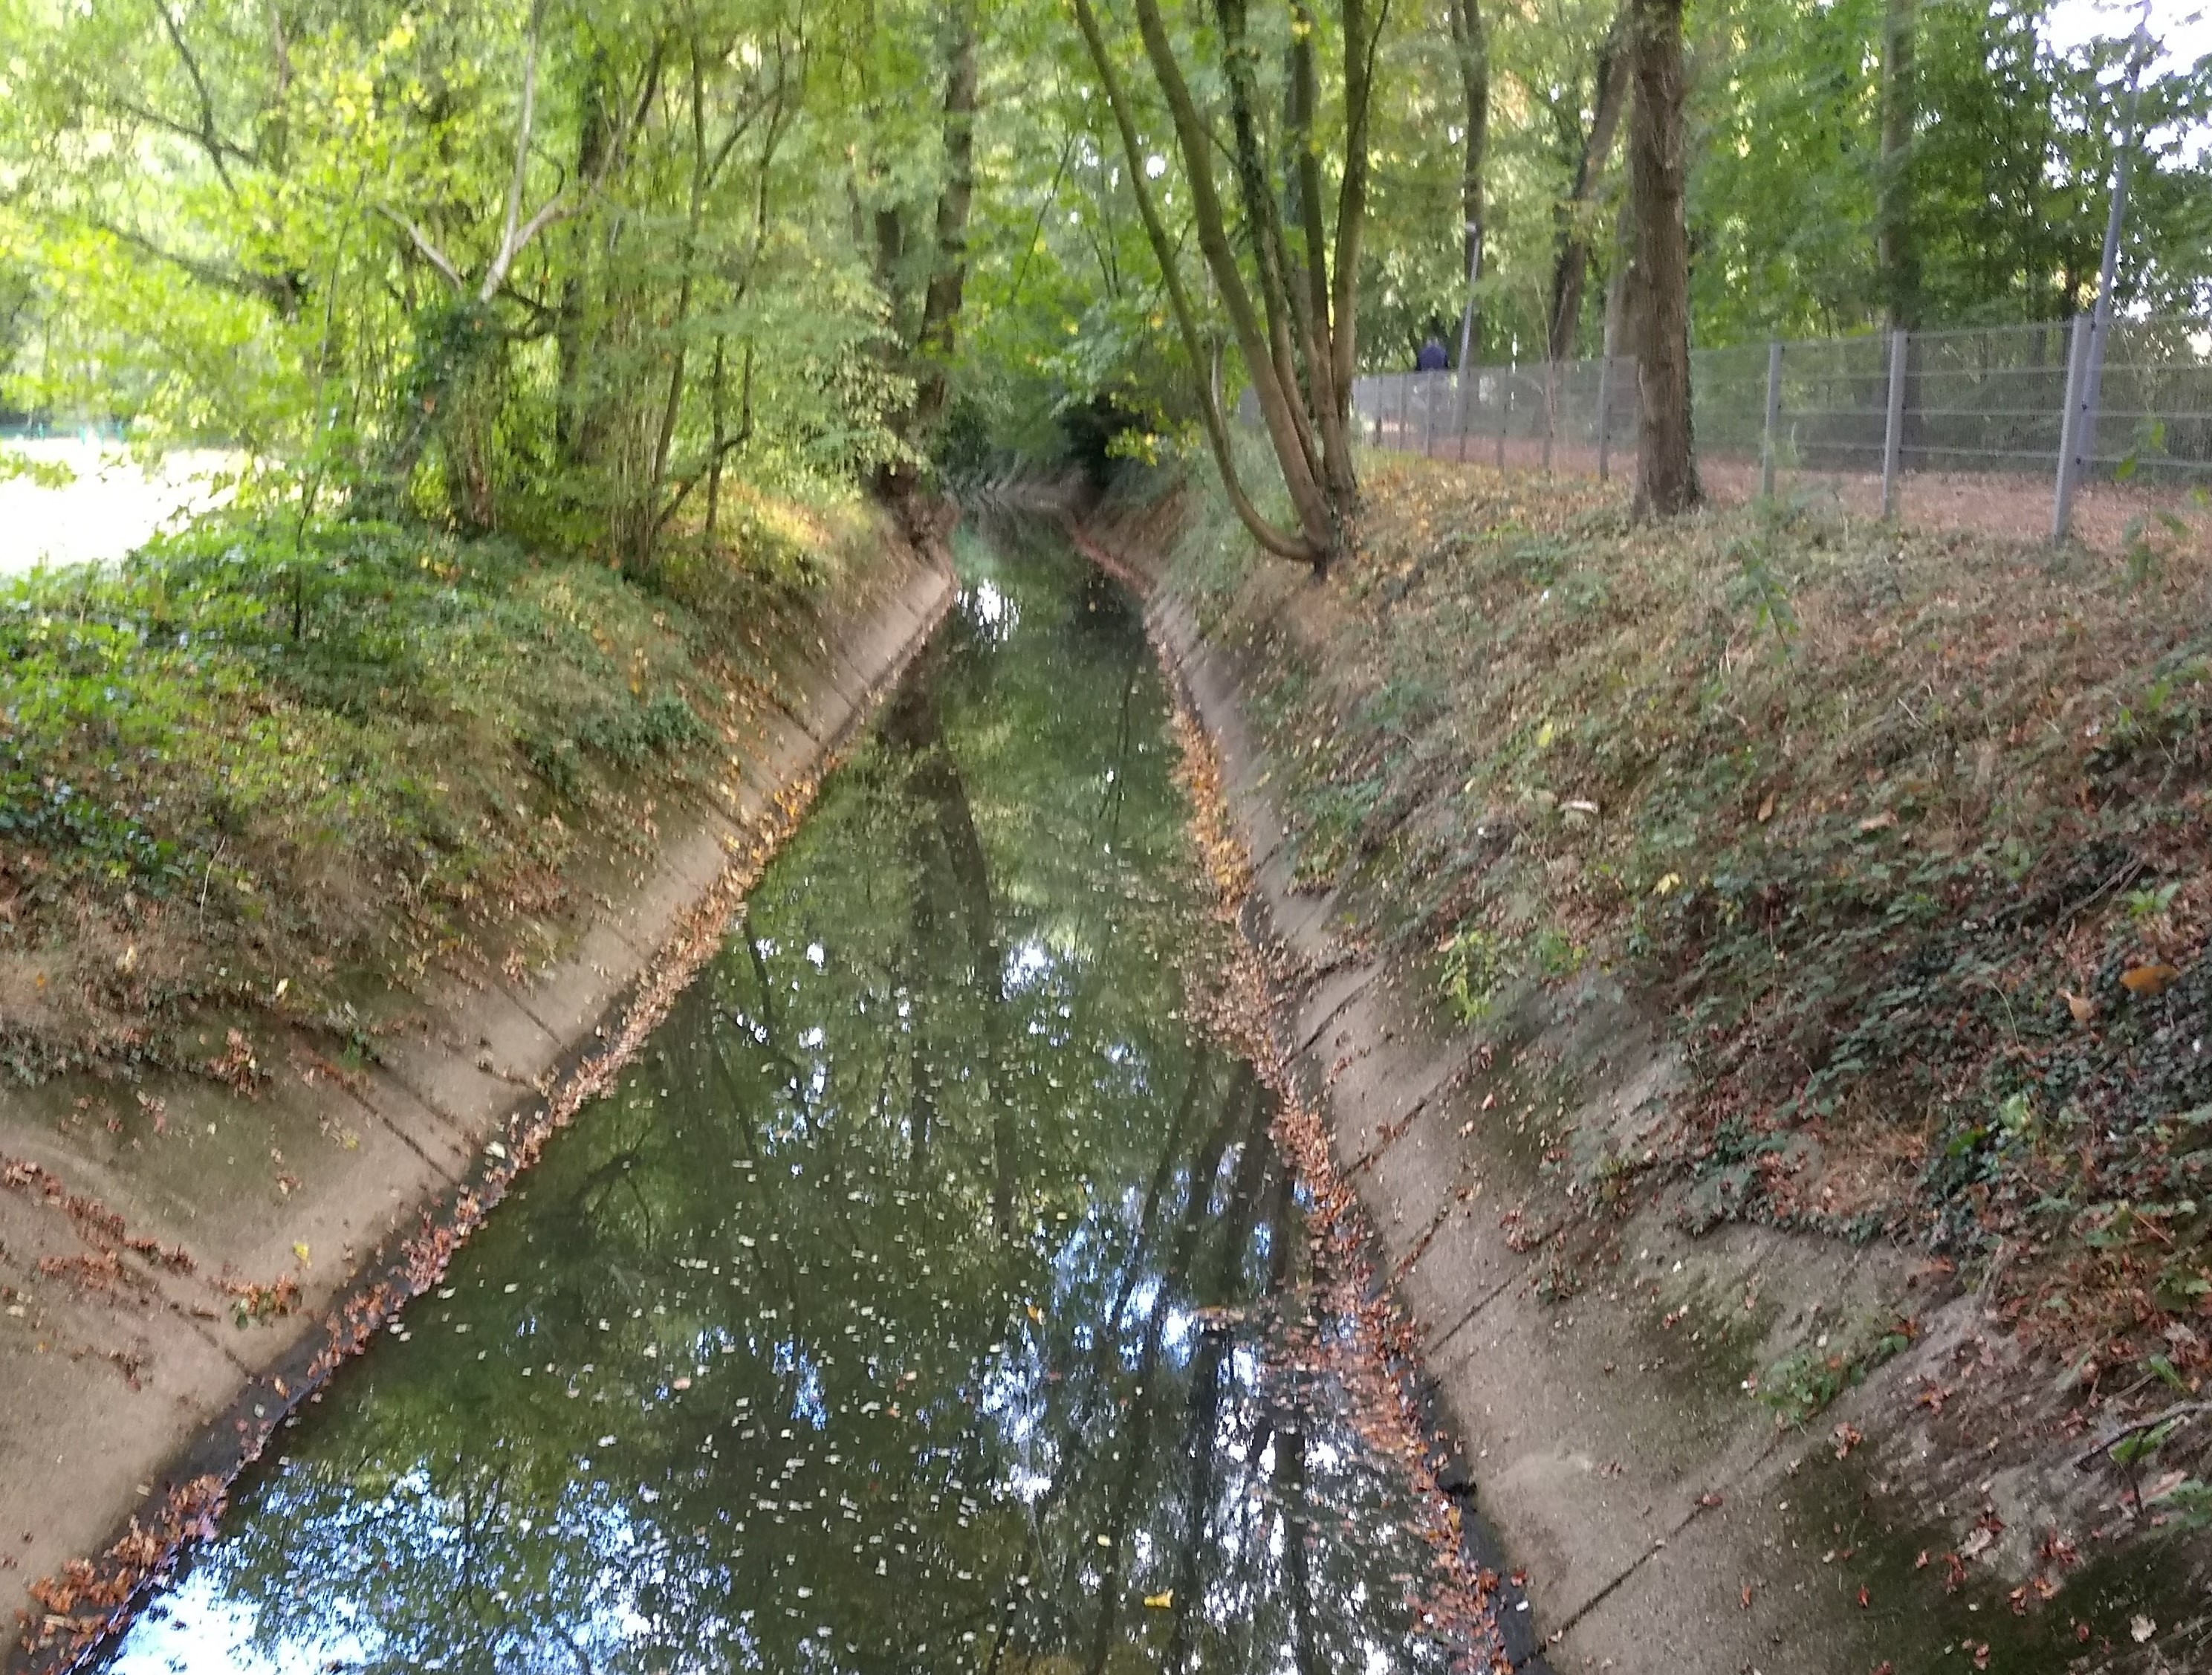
point(1905, 836)
point(271, 768)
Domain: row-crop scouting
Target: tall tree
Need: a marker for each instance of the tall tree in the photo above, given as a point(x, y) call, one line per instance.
point(1576, 215)
point(1471, 51)
point(1897, 252)
point(1298, 343)
point(1666, 468)
point(940, 310)
point(925, 276)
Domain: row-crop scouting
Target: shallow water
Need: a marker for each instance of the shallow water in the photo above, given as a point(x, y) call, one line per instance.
point(929, 1297)
point(112, 504)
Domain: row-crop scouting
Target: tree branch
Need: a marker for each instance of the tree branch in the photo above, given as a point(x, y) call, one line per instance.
point(274, 289)
point(1295, 547)
point(1352, 193)
point(430, 252)
point(1317, 521)
point(208, 137)
point(495, 275)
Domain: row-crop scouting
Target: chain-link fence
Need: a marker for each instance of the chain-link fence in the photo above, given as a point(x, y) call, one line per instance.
point(1885, 413)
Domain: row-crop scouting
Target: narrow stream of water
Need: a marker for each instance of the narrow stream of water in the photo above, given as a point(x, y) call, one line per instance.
point(929, 1297)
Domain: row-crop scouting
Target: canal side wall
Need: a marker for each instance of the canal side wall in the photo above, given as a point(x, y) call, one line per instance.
point(187, 1296)
point(1662, 1518)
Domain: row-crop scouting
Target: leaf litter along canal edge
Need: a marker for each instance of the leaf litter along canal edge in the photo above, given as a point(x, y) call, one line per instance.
point(122, 1579)
point(1375, 1361)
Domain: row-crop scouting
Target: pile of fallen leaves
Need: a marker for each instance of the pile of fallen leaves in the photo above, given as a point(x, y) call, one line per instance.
point(1372, 1359)
point(1907, 832)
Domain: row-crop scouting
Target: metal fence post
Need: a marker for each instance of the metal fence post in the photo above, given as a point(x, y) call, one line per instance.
point(2069, 424)
point(1461, 390)
point(1605, 409)
point(2073, 461)
point(1404, 410)
point(1770, 440)
point(1893, 443)
point(1551, 408)
point(1504, 410)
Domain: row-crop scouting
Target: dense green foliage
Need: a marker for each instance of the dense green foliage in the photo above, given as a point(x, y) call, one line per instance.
point(553, 267)
point(462, 284)
point(249, 756)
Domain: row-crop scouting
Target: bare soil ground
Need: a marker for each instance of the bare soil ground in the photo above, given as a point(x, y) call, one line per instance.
point(2007, 506)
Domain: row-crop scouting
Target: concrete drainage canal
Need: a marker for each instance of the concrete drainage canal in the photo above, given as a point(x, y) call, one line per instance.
point(929, 1296)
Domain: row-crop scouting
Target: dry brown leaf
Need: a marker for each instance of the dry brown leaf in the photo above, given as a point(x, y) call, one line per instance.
point(2154, 979)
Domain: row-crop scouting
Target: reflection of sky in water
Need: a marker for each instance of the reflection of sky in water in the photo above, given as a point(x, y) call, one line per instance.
point(938, 1302)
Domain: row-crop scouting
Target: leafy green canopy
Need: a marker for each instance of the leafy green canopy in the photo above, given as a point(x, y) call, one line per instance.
point(548, 268)
point(555, 266)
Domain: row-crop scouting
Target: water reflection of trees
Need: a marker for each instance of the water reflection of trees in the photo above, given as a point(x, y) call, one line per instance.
point(978, 1266)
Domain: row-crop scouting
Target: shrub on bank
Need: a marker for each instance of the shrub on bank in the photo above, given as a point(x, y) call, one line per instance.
point(255, 754)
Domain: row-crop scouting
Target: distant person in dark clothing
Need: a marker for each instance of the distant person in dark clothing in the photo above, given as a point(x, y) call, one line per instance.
point(1432, 357)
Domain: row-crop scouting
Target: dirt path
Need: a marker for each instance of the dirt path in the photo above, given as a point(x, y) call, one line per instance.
point(2009, 505)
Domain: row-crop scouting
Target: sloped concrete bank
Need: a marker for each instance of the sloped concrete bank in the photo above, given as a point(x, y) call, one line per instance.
point(1601, 1385)
point(168, 1295)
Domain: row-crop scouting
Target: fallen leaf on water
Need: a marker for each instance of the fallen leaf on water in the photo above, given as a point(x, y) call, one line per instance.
point(1162, 1601)
point(300, 1250)
point(2148, 979)
point(1744, 1597)
point(2142, 1629)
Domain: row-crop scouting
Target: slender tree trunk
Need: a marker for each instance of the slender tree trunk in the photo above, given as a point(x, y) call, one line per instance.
point(1471, 45)
point(1895, 248)
point(1283, 544)
point(570, 326)
point(1666, 466)
point(1303, 399)
point(948, 279)
point(715, 423)
point(648, 511)
point(1570, 271)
